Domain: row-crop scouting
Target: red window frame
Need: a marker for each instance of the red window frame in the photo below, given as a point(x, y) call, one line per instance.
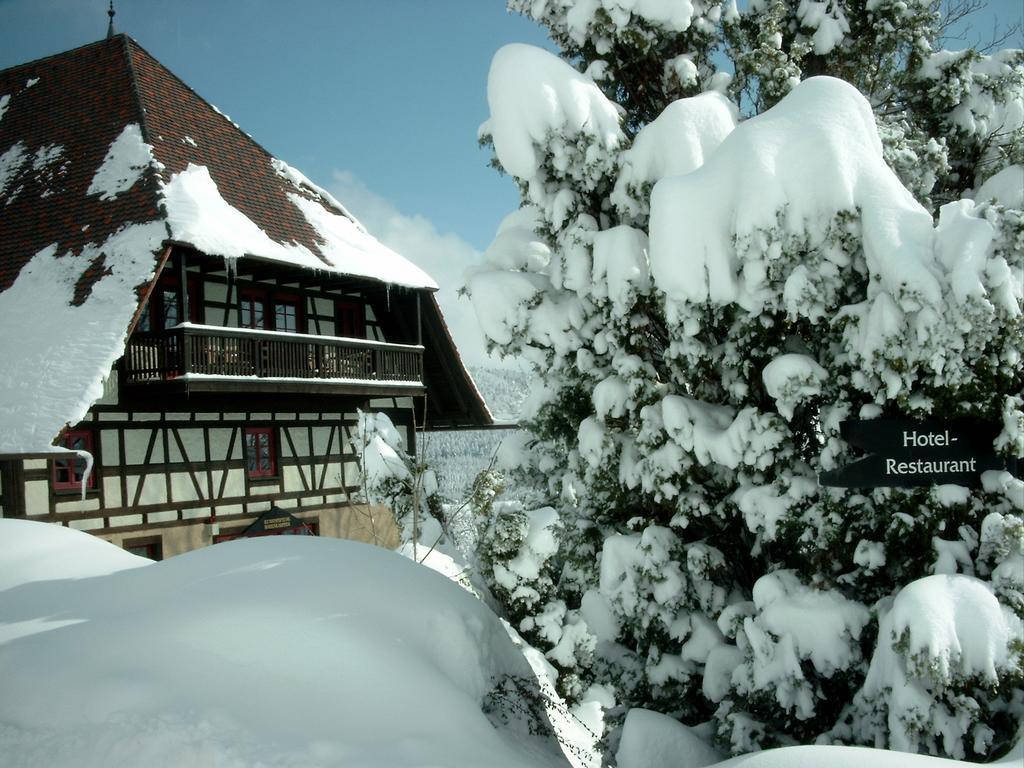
point(154, 314)
point(288, 300)
point(65, 470)
point(260, 443)
point(149, 546)
point(350, 319)
point(253, 297)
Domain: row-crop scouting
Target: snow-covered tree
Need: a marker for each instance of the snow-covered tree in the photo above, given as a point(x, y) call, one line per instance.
point(705, 298)
point(397, 480)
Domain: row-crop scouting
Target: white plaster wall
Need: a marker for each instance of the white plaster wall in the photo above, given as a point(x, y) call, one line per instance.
point(183, 489)
point(109, 454)
point(192, 440)
point(154, 489)
point(220, 438)
point(135, 443)
point(112, 491)
point(292, 479)
point(87, 524)
point(300, 438)
point(236, 483)
point(76, 504)
point(37, 497)
point(162, 517)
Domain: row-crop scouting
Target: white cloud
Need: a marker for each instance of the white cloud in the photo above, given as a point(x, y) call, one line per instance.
point(445, 257)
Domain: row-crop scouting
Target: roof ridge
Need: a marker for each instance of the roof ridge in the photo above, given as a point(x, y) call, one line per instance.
point(169, 71)
point(61, 54)
point(151, 174)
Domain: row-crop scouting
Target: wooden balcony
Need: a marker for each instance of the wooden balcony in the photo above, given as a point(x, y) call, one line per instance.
point(211, 358)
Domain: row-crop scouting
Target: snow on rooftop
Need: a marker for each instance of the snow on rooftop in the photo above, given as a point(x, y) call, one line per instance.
point(350, 250)
point(198, 215)
point(5, 100)
point(11, 162)
point(285, 651)
point(301, 182)
point(52, 369)
point(126, 161)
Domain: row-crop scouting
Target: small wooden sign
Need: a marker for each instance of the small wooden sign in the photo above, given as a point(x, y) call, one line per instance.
point(905, 454)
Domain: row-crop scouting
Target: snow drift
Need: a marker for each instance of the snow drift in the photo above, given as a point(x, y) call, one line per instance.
point(278, 652)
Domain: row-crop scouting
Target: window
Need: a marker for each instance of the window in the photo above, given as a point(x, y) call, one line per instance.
point(150, 546)
point(269, 312)
point(163, 310)
point(286, 315)
point(260, 455)
point(169, 299)
point(252, 305)
point(351, 320)
point(68, 472)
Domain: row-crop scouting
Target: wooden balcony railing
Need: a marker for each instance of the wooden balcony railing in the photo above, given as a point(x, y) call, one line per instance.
point(210, 350)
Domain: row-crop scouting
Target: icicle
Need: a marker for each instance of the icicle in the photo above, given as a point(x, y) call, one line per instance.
point(387, 294)
point(88, 469)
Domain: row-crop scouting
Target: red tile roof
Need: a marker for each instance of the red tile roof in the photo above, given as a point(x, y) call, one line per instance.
point(78, 102)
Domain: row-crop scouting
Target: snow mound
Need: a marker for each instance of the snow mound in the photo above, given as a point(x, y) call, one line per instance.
point(842, 757)
point(653, 739)
point(1005, 188)
point(36, 552)
point(789, 170)
point(281, 651)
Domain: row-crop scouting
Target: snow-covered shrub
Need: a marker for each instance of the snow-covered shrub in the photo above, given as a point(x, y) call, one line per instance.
point(397, 480)
point(706, 303)
point(946, 674)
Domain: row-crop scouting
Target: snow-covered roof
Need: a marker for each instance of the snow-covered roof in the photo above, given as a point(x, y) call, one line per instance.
point(105, 158)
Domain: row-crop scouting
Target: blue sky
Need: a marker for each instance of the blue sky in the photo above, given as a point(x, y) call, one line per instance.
point(389, 91)
point(377, 100)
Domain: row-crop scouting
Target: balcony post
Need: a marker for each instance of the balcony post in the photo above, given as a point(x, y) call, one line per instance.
point(186, 350)
point(183, 289)
point(419, 321)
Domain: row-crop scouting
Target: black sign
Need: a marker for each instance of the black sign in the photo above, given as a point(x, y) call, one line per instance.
point(276, 521)
point(905, 454)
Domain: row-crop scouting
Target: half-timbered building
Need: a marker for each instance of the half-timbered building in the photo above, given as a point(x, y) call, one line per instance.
point(195, 316)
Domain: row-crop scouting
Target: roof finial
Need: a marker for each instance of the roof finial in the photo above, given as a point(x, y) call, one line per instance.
point(110, 26)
